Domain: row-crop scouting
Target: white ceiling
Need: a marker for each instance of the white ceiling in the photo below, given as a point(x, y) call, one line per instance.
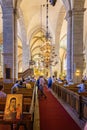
point(31, 11)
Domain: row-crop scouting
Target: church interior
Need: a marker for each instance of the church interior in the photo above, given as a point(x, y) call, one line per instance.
point(44, 41)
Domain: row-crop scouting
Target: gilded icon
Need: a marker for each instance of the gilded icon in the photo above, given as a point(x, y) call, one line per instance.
point(13, 107)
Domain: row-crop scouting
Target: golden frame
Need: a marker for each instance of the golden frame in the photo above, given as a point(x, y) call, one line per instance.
point(13, 107)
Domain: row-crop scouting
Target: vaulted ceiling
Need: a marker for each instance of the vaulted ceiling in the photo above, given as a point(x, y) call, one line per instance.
point(34, 17)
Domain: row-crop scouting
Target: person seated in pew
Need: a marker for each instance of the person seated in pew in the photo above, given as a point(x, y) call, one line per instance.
point(2, 94)
point(81, 87)
point(59, 80)
point(28, 86)
point(15, 87)
point(65, 83)
point(70, 82)
point(20, 85)
point(23, 80)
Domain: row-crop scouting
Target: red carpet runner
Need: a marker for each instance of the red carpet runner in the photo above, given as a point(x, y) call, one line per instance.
point(53, 116)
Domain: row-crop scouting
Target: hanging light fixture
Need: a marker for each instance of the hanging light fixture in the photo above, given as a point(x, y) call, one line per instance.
point(47, 48)
point(53, 2)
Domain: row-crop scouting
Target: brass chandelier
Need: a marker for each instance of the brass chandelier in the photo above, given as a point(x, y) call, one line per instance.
point(47, 49)
point(46, 53)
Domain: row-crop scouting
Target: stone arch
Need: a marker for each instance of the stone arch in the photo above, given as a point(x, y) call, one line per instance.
point(62, 52)
point(20, 53)
point(23, 36)
point(33, 32)
point(59, 25)
point(36, 31)
point(61, 15)
point(68, 4)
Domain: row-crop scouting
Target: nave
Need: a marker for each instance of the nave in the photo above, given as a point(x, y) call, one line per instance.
point(41, 38)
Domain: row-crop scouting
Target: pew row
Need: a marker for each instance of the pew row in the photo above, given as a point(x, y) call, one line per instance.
point(7, 87)
point(28, 113)
point(77, 101)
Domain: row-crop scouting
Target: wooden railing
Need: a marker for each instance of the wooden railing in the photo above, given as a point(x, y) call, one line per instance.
point(26, 73)
point(77, 101)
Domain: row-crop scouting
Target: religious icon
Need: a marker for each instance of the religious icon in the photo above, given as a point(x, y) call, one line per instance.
point(13, 107)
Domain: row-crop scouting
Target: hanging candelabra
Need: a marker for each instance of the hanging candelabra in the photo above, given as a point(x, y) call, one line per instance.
point(47, 49)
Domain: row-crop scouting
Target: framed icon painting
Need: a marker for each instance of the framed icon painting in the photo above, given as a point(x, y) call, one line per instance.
point(13, 107)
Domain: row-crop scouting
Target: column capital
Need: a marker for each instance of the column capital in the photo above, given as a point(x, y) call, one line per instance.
point(7, 10)
point(68, 14)
point(7, 3)
point(78, 11)
point(7, 54)
point(74, 11)
point(16, 13)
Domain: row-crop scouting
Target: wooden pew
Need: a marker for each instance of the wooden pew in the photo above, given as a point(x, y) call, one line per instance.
point(32, 84)
point(2, 107)
point(2, 104)
point(26, 104)
point(26, 92)
point(7, 87)
point(30, 114)
point(83, 94)
point(27, 117)
point(84, 108)
point(77, 101)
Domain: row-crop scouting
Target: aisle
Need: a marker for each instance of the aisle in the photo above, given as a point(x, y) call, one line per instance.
point(53, 116)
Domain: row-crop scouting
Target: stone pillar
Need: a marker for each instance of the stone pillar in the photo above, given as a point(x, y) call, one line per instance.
point(15, 47)
point(69, 46)
point(77, 41)
point(8, 43)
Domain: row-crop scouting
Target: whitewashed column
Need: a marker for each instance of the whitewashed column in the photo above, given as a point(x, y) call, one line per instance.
point(15, 47)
